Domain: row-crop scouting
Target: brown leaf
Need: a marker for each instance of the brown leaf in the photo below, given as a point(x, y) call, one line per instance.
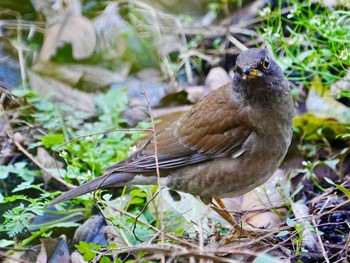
point(91, 77)
point(75, 98)
point(321, 103)
point(53, 250)
point(47, 161)
point(92, 231)
point(260, 200)
point(107, 26)
point(69, 28)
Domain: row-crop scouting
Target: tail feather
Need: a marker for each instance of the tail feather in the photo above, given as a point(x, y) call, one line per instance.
point(95, 184)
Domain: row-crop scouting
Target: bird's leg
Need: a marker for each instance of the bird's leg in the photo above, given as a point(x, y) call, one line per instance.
point(220, 208)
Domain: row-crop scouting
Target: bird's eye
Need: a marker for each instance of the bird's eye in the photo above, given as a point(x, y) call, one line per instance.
point(266, 63)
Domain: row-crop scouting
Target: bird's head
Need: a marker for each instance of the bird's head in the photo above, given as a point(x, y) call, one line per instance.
point(256, 63)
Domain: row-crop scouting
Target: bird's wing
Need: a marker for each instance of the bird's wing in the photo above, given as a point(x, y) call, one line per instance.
point(214, 127)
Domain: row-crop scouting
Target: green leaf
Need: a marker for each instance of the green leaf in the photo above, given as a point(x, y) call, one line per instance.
point(107, 197)
point(22, 171)
point(290, 222)
point(329, 181)
point(21, 92)
point(52, 140)
point(137, 200)
point(22, 186)
point(4, 171)
point(283, 233)
point(138, 193)
point(179, 231)
point(339, 187)
point(332, 163)
point(105, 259)
point(6, 243)
point(111, 246)
point(87, 250)
point(343, 189)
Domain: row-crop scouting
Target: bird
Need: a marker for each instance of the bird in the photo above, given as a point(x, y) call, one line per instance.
point(228, 143)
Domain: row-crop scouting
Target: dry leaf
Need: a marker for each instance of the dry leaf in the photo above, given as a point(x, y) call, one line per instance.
point(107, 26)
point(57, 71)
point(53, 8)
point(187, 206)
point(75, 98)
point(47, 161)
point(217, 77)
point(68, 28)
point(53, 250)
point(92, 231)
point(322, 105)
point(195, 93)
point(90, 77)
point(343, 84)
point(261, 198)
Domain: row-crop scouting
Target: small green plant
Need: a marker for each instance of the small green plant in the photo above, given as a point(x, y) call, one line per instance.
point(303, 230)
point(85, 157)
point(340, 187)
point(312, 39)
point(91, 251)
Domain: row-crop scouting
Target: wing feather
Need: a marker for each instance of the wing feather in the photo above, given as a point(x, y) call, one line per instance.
point(209, 130)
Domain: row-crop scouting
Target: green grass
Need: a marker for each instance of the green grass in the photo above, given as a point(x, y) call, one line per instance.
point(310, 40)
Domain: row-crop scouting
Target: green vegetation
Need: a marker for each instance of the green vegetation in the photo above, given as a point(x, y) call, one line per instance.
point(311, 40)
point(85, 147)
point(311, 43)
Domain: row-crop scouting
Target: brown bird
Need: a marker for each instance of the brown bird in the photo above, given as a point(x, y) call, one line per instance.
point(230, 142)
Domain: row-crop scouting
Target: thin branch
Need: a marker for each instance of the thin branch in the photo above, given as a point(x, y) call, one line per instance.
point(156, 229)
point(320, 240)
point(157, 166)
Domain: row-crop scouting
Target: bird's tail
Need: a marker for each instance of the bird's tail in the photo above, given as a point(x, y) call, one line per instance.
point(105, 181)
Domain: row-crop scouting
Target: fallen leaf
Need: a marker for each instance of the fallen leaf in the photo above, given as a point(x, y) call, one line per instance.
point(71, 29)
point(53, 250)
point(321, 104)
point(308, 126)
point(85, 77)
point(261, 199)
point(75, 98)
point(107, 27)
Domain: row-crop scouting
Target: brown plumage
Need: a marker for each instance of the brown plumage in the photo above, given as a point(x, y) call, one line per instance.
point(230, 142)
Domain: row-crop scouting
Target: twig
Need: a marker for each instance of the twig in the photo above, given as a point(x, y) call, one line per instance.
point(235, 42)
point(338, 206)
point(175, 251)
point(320, 240)
point(32, 158)
point(155, 229)
point(142, 211)
point(98, 133)
point(157, 165)
point(24, 24)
